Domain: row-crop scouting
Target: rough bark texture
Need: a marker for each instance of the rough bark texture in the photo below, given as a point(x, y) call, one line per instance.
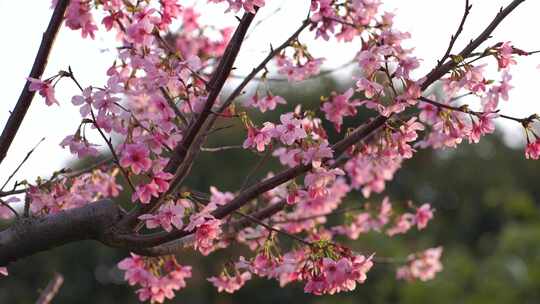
point(28, 236)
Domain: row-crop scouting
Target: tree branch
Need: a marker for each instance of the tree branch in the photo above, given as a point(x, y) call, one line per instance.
point(28, 236)
point(51, 290)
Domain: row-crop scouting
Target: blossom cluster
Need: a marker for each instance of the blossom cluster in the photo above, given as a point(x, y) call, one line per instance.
point(158, 279)
point(72, 192)
point(422, 266)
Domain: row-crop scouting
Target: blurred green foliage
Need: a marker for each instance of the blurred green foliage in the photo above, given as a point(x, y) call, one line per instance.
point(487, 219)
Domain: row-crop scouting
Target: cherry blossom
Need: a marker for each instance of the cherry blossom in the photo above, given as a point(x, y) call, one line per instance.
point(45, 89)
point(80, 146)
point(228, 283)
point(340, 106)
point(422, 266)
point(136, 156)
point(168, 216)
point(268, 102)
point(290, 129)
point(259, 138)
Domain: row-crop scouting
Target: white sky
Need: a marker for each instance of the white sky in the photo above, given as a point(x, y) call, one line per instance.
point(430, 22)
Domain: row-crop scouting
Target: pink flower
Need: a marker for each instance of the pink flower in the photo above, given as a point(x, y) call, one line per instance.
point(219, 198)
point(532, 151)
point(369, 61)
point(137, 157)
point(249, 5)
point(78, 145)
point(269, 102)
point(336, 276)
point(161, 180)
point(504, 55)
point(369, 88)
point(145, 192)
point(290, 129)
point(259, 139)
point(504, 88)
point(289, 157)
point(78, 17)
point(189, 19)
point(206, 234)
point(85, 101)
point(336, 272)
point(230, 284)
point(340, 106)
point(158, 278)
point(425, 267)
point(140, 31)
point(3, 271)
point(44, 88)
point(134, 267)
point(423, 215)
point(167, 216)
point(484, 126)
point(315, 154)
point(236, 5)
point(403, 224)
point(297, 71)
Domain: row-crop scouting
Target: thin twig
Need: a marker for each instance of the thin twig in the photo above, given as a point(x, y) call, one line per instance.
point(21, 164)
point(465, 109)
point(10, 208)
point(254, 170)
point(107, 140)
point(51, 290)
point(454, 37)
point(222, 148)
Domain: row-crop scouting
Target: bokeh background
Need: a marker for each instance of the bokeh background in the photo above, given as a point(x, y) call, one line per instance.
point(486, 195)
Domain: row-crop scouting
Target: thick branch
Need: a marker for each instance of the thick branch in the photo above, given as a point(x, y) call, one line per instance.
point(28, 236)
point(25, 99)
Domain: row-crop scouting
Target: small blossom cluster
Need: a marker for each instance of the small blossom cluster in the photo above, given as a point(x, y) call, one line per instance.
point(158, 278)
point(422, 266)
point(334, 18)
point(375, 162)
point(68, 193)
point(385, 220)
point(338, 107)
point(230, 284)
point(169, 215)
point(248, 5)
point(44, 88)
point(268, 102)
point(325, 268)
point(298, 70)
point(293, 130)
point(450, 127)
